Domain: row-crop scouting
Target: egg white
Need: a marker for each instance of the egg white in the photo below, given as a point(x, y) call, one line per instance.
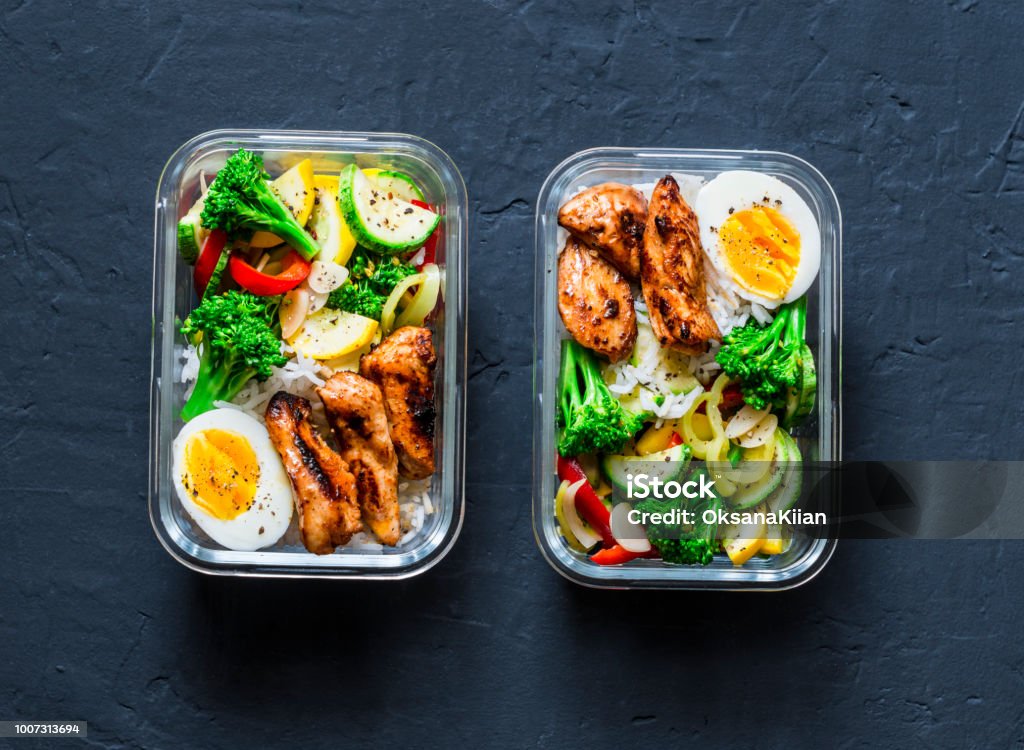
point(272, 505)
point(738, 190)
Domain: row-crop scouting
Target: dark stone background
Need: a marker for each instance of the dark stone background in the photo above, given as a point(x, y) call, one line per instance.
point(911, 109)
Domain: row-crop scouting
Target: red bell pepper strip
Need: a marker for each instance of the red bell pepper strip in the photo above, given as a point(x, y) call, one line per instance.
point(430, 246)
point(588, 504)
point(618, 555)
point(296, 268)
point(732, 397)
point(675, 439)
point(208, 257)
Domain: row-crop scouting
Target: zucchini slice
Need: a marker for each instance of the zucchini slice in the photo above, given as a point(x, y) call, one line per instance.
point(668, 465)
point(191, 233)
point(808, 383)
point(398, 184)
point(788, 492)
point(748, 495)
point(379, 219)
point(800, 399)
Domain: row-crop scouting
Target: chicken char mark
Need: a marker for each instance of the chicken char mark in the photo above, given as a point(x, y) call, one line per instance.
point(403, 366)
point(672, 273)
point(610, 218)
point(324, 486)
point(595, 301)
point(355, 410)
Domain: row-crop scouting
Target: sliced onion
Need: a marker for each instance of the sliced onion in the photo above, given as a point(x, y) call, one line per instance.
point(761, 434)
point(584, 535)
point(325, 276)
point(316, 299)
point(755, 464)
point(744, 421)
point(631, 536)
point(387, 315)
point(294, 309)
point(425, 299)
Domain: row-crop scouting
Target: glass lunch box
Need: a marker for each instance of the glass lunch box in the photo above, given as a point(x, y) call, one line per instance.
point(820, 437)
point(173, 298)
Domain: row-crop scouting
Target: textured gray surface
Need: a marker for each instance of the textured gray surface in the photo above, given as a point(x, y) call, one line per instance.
point(912, 110)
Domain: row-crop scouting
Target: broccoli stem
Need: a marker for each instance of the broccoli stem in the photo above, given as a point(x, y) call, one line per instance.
point(797, 327)
point(592, 380)
point(296, 237)
point(569, 378)
point(771, 335)
point(272, 215)
point(215, 382)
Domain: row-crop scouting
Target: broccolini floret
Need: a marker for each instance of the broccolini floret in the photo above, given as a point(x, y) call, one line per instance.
point(239, 335)
point(241, 201)
point(358, 299)
point(369, 284)
point(591, 418)
point(768, 360)
point(677, 543)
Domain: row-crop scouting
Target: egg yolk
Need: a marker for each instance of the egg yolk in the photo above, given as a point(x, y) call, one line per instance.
point(762, 249)
point(221, 473)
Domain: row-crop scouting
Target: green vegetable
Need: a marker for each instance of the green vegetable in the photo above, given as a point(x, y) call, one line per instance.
point(240, 340)
point(191, 233)
point(678, 543)
point(379, 217)
point(369, 284)
point(800, 399)
point(240, 201)
point(213, 285)
point(788, 491)
point(769, 360)
point(398, 183)
point(357, 299)
point(668, 465)
point(592, 419)
point(750, 495)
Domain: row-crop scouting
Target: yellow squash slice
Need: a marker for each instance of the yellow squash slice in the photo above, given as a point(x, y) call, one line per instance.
point(327, 334)
point(326, 224)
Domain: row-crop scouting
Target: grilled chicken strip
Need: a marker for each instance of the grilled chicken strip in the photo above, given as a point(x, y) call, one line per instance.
point(595, 301)
point(611, 218)
point(403, 367)
point(672, 273)
point(325, 490)
point(355, 409)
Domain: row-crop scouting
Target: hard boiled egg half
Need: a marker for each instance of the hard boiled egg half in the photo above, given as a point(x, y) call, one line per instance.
point(231, 480)
point(760, 236)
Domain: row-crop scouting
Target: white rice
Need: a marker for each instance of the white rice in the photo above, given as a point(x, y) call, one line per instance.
point(727, 308)
point(300, 376)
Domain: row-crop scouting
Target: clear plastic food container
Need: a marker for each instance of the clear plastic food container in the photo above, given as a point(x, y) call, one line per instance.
point(173, 298)
point(820, 436)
